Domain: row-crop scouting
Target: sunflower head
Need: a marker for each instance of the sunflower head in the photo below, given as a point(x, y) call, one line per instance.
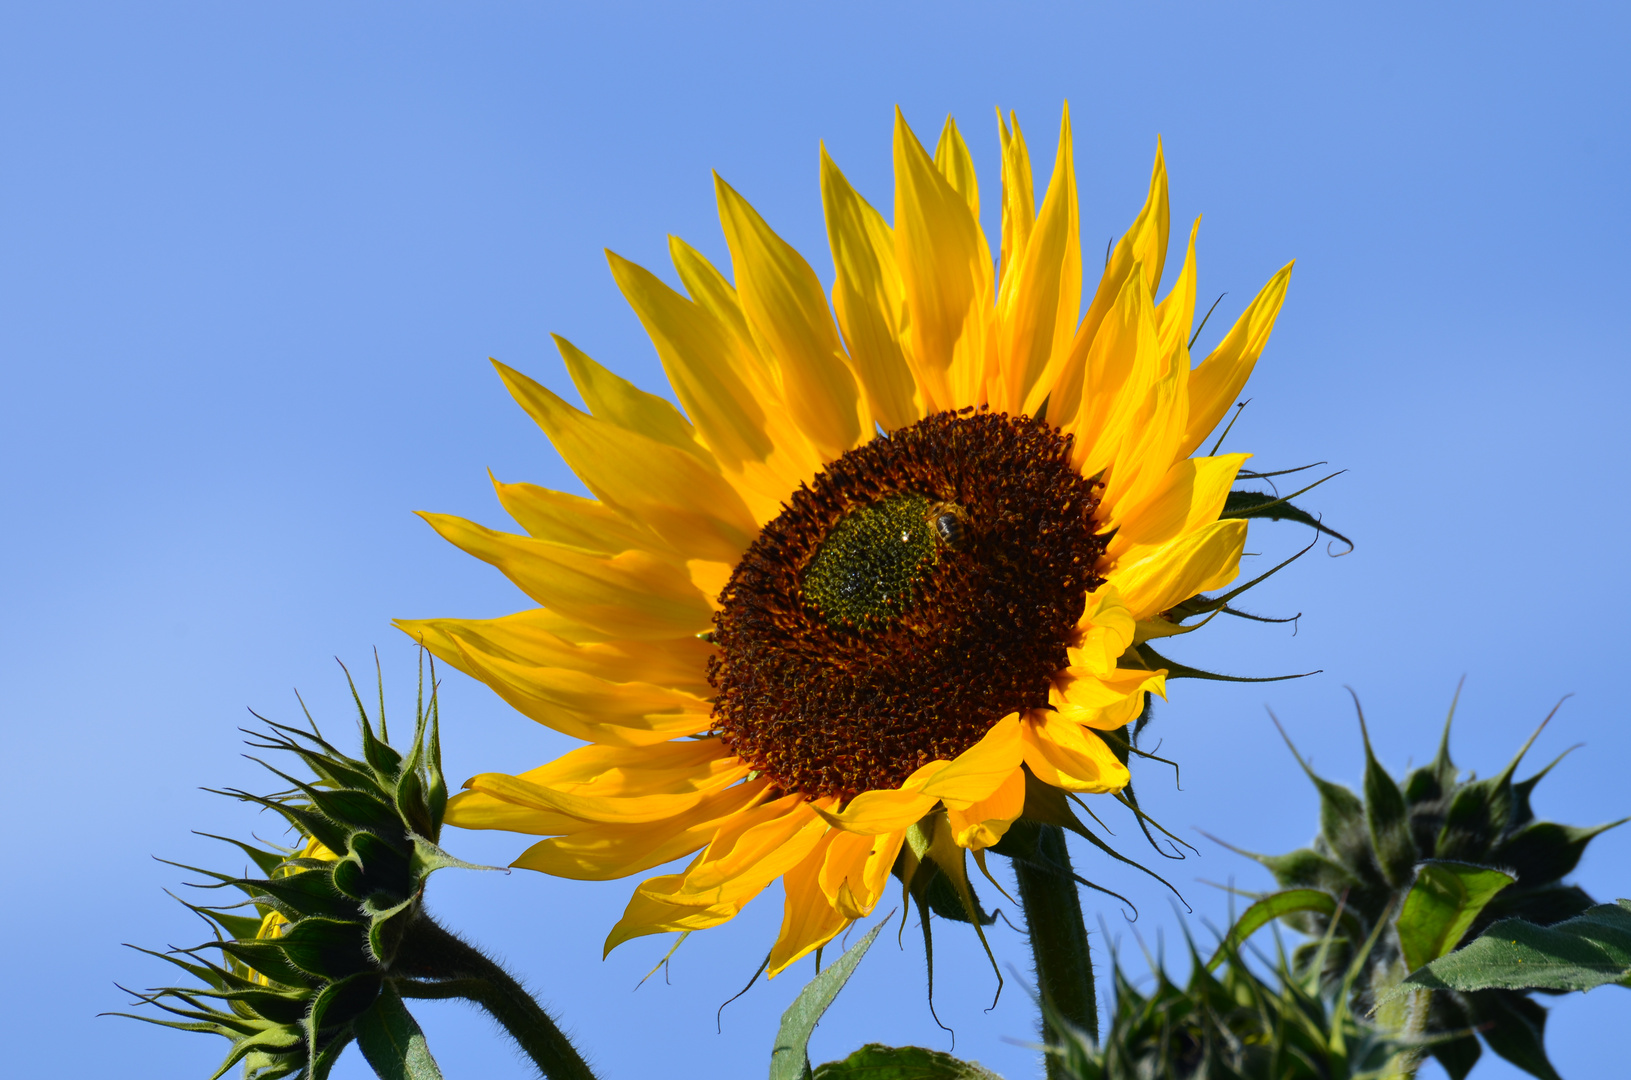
point(894, 560)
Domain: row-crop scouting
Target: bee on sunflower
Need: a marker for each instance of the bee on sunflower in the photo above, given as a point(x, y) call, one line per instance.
point(883, 588)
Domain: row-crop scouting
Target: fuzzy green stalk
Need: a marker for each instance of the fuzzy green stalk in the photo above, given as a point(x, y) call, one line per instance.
point(449, 967)
point(1059, 948)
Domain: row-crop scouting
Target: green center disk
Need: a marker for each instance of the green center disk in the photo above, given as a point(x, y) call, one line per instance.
point(867, 569)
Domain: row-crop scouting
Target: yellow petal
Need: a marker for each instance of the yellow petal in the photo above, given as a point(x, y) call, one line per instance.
point(615, 400)
point(1040, 300)
point(1207, 558)
point(1138, 256)
point(1150, 446)
point(1117, 715)
point(574, 521)
point(751, 850)
point(1120, 367)
point(1082, 694)
point(684, 765)
point(1191, 494)
point(1215, 384)
point(710, 578)
point(1061, 754)
point(695, 349)
point(479, 810)
point(984, 823)
point(532, 638)
point(787, 312)
point(1175, 315)
point(855, 870)
point(683, 500)
point(956, 164)
point(651, 911)
point(809, 921)
point(587, 708)
point(867, 298)
point(1018, 196)
point(945, 269)
point(874, 812)
point(982, 768)
point(604, 852)
point(1103, 633)
point(623, 810)
point(631, 595)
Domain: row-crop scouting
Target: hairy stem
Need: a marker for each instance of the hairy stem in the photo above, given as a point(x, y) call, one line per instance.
point(1053, 918)
point(438, 964)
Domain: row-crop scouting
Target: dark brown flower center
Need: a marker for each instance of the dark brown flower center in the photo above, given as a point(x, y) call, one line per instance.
point(918, 590)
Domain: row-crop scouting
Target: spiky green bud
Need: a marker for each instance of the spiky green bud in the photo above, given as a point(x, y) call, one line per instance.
point(292, 984)
point(334, 935)
point(1230, 1023)
point(1370, 852)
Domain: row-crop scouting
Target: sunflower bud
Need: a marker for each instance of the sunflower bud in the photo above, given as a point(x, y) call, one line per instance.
point(291, 985)
point(1370, 851)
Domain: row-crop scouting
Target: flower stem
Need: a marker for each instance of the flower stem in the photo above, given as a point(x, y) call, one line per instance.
point(1053, 918)
point(441, 965)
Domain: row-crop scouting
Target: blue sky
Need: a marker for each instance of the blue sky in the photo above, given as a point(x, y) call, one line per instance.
point(253, 262)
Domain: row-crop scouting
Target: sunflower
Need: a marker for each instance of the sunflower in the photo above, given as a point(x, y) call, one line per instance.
point(890, 564)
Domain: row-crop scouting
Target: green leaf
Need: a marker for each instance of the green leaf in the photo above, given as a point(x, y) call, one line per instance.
point(1590, 950)
point(1441, 907)
point(877, 1062)
point(789, 1058)
point(393, 1044)
point(1266, 910)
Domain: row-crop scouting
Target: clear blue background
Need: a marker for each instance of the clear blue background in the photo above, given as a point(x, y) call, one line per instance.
point(253, 260)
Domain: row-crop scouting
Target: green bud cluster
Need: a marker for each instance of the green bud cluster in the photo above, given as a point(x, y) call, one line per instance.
point(1228, 1023)
point(311, 969)
point(1369, 853)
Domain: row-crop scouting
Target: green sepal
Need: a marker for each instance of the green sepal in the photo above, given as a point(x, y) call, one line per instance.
point(386, 929)
point(341, 1002)
point(268, 958)
point(1387, 816)
point(309, 892)
point(326, 948)
point(1515, 1028)
point(265, 861)
point(1344, 824)
point(429, 858)
point(933, 885)
point(1306, 868)
point(1258, 504)
point(1545, 850)
point(386, 866)
point(1457, 1054)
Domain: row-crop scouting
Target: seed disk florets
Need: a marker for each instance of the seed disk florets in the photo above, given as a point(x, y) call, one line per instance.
point(919, 589)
